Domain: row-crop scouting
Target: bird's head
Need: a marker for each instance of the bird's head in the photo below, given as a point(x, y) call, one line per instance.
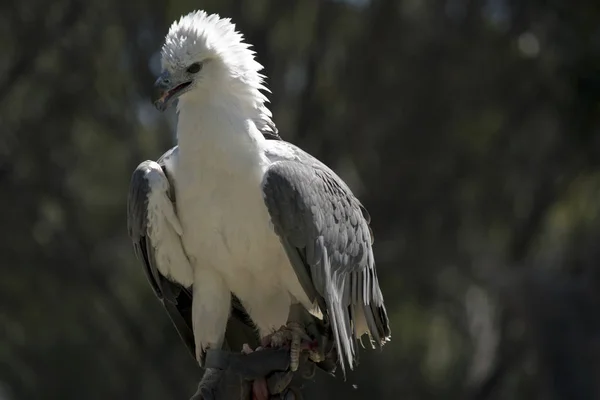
point(202, 55)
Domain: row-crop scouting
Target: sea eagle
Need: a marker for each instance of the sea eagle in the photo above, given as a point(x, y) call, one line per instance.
point(235, 212)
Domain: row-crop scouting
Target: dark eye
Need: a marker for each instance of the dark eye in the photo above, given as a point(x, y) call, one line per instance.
point(194, 68)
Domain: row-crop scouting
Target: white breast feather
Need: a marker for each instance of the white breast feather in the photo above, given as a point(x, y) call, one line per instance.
point(227, 226)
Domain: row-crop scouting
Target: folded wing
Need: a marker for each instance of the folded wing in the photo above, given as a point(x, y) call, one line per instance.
point(325, 232)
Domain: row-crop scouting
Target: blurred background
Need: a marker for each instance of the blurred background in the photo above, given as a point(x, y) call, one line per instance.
point(469, 129)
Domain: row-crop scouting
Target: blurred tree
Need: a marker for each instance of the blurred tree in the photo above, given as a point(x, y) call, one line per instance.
point(469, 128)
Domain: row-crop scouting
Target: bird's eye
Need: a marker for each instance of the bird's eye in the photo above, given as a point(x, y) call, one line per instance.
point(194, 68)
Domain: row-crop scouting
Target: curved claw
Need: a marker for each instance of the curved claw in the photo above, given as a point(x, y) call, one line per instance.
point(295, 335)
point(297, 332)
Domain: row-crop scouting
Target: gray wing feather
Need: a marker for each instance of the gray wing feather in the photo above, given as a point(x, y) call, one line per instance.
point(174, 297)
point(325, 232)
point(137, 217)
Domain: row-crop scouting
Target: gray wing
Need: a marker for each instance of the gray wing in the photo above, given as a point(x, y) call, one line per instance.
point(152, 179)
point(175, 297)
point(325, 232)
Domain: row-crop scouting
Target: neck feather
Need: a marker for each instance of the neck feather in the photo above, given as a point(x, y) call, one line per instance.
point(220, 131)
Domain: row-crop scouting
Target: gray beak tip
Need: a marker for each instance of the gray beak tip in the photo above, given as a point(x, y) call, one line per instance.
point(166, 91)
point(162, 93)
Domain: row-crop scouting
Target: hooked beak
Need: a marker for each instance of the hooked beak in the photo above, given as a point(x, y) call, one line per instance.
point(165, 91)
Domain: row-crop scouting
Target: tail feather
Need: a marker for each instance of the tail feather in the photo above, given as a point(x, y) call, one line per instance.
point(355, 307)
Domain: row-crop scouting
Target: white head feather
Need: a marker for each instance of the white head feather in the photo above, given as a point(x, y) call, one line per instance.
point(228, 64)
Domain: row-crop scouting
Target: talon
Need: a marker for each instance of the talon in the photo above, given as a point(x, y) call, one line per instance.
point(246, 349)
point(314, 353)
point(315, 356)
point(295, 336)
point(295, 351)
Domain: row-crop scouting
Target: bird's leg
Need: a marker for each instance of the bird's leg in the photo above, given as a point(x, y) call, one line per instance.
point(209, 289)
point(291, 334)
point(294, 336)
